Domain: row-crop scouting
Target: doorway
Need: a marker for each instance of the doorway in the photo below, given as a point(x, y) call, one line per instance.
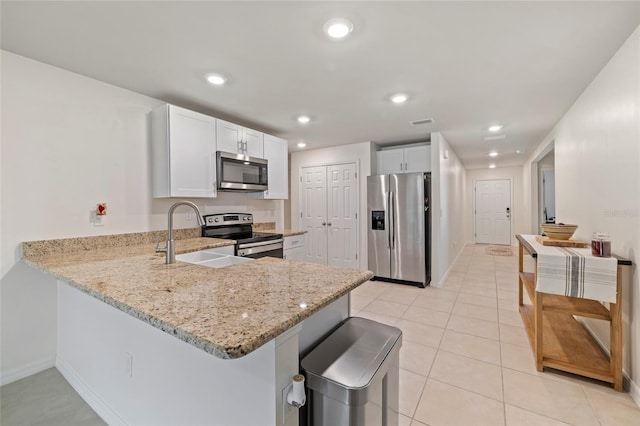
point(493, 211)
point(328, 212)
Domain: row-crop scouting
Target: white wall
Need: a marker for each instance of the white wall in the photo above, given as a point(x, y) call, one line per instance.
point(359, 152)
point(597, 165)
point(448, 193)
point(69, 142)
point(518, 224)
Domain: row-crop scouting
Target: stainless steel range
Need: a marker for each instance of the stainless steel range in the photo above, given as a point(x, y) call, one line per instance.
point(238, 226)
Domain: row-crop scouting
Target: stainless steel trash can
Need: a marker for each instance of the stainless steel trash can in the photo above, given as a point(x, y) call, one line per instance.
point(353, 375)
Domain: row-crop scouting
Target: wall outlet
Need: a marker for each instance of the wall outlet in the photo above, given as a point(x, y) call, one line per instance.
point(96, 219)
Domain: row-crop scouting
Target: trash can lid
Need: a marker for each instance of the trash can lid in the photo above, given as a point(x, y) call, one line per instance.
point(352, 354)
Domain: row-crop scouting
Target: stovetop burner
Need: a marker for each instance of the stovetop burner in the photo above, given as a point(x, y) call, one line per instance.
point(235, 226)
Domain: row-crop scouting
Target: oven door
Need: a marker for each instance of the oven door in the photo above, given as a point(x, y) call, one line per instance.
point(239, 173)
point(272, 248)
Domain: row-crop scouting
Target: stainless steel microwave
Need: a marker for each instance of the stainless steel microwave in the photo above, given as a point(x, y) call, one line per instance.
point(236, 172)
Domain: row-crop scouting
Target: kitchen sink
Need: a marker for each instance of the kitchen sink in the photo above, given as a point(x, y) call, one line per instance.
point(210, 259)
point(224, 261)
point(199, 256)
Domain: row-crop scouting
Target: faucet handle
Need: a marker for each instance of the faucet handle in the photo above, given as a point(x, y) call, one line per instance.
point(160, 249)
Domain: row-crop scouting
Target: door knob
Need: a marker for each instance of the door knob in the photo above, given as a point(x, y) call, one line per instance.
point(329, 224)
point(324, 223)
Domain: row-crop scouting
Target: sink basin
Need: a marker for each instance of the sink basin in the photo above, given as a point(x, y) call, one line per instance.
point(199, 256)
point(224, 261)
point(210, 259)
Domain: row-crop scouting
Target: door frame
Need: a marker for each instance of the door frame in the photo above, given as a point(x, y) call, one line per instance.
point(357, 195)
point(473, 208)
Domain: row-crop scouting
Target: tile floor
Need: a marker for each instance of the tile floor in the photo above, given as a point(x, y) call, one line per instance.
point(466, 358)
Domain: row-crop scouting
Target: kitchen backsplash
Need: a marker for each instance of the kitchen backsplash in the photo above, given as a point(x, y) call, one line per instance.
point(264, 226)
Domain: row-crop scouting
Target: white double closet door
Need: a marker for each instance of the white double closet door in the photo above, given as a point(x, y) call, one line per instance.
point(328, 212)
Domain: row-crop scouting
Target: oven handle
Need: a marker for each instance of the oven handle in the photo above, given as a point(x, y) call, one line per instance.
point(260, 249)
point(262, 243)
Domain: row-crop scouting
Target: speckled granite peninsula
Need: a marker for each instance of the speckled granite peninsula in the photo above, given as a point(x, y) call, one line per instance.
point(228, 312)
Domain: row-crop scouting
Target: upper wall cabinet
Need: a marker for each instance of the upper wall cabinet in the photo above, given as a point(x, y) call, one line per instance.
point(404, 160)
point(183, 153)
point(239, 140)
point(276, 152)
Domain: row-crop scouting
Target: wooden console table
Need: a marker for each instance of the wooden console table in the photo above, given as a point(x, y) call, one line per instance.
point(558, 340)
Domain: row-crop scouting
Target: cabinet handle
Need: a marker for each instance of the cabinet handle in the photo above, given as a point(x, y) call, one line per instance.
point(246, 148)
point(400, 166)
point(405, 167)
point(239, 144)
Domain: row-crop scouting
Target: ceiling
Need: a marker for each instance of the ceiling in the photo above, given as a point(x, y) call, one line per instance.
point(464, 64)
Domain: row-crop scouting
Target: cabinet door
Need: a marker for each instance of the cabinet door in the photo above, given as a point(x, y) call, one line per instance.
point(417, 159)
point(253, 140)
point(228, 137)
point(277, 154)
point(192, 152)
point(294, 254)
point(390, 161)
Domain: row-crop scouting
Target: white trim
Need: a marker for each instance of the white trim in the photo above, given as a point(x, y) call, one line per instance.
point(27, 370)
point(512, 240)
point(446, 274)
point(634, 392)
point(104, 410)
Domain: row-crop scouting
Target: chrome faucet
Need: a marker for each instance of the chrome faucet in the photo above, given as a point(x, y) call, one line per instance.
point(170, 247)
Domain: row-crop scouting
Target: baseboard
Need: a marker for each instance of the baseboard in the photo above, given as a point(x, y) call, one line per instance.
point(26, 370)
point(629, 385)
point(446, 274)
point(104, 410)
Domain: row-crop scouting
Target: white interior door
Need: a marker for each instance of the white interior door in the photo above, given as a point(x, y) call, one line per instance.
point(493, 211)
point(328, 212)
point(342, 215)
point(313, 209)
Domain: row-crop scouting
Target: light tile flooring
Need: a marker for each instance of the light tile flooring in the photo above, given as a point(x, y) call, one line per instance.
point(466, 358)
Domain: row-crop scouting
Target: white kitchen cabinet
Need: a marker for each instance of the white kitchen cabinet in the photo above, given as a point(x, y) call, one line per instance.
point(183, 153)
point(293, 248)
point(404, 160)
point(276, 152)
point(236, 139)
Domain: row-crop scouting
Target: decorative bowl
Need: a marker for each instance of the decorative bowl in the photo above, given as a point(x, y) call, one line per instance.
point(559, 231)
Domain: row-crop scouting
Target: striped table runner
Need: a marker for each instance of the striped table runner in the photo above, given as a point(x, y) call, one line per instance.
point(575, 272)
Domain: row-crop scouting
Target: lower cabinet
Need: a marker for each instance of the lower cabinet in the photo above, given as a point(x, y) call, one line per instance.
point(294, 247)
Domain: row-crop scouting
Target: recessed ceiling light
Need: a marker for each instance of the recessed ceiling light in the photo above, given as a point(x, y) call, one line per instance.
point(216, 79)
point(518, 151)
point(338, 28)
point(493, 154)
point(303, 119)
point(492, 166)
point(399, 98)
point(495, 128)
point(301, 144)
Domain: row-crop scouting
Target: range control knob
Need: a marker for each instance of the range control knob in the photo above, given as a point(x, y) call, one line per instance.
point(210, 219)
point(217, 219)
point(246, 218)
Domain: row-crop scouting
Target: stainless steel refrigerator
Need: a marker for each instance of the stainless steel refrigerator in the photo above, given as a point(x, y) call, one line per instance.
point(399, 228)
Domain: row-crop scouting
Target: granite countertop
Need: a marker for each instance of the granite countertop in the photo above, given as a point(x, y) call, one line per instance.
point(286, 232)
point(228, 312)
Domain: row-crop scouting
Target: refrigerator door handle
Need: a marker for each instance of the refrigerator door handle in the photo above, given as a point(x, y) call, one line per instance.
point(392, 221)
